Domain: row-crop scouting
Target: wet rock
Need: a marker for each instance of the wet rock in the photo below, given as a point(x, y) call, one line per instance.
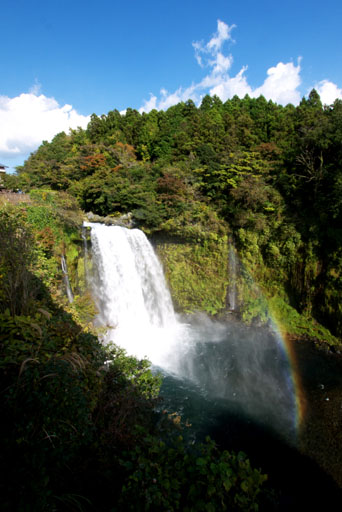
point(126, 220)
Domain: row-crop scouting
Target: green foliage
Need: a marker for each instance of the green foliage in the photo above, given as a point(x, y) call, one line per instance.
point(79, 428)
point(291, 322)
point(197, 274)
point(272, 173)
point(126, 405)
point(49, 385)
point(43, 220)
point(18, 287)
point(170, 477)
point(64, 393)
point(60, 205)
point(33, 238)
point(254, 304)
point(9, 182)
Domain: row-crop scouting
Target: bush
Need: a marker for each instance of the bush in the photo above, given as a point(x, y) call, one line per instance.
point(172, 477)
point(18, 286)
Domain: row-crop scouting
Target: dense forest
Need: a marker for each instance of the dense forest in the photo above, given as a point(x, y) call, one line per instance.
point(267, 176)
point(82, 426)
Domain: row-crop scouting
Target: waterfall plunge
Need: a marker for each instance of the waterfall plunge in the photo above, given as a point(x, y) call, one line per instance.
point(232, 264)
point(131, 294)
point(242, 367)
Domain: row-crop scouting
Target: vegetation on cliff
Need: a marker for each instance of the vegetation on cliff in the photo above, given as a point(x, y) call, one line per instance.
point(197, 274)
point(268, 175)
point(79, 424)
point(79, 427)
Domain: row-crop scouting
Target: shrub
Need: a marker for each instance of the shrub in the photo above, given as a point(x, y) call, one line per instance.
point(172, 477)
point(18, 286)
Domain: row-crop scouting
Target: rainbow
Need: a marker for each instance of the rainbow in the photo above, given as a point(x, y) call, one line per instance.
point(286, 344)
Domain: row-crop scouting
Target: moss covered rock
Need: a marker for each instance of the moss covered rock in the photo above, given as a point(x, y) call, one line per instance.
point(197, 274)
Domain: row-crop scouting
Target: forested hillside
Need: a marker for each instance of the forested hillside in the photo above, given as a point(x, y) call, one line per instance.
point(267, 176)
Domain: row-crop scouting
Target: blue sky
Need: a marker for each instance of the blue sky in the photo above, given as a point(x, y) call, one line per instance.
point(63, 60)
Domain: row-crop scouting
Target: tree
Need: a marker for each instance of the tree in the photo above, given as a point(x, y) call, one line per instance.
point(311, 128)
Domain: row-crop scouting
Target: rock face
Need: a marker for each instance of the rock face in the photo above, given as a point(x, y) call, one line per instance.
point(125, 220)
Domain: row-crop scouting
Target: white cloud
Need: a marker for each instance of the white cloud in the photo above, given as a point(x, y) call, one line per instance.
point(222, 35)
point(28, 119)
point(221, 64)
point(215, 44)
point(280, 85)
point(36, 88)
point(210, 54)
point(168, 99)
point(148, 104)
point(328, 92)
point(227, 86)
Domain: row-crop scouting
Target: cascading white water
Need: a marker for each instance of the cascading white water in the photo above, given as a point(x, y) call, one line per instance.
point(131, 294)
point(232, 277)
point(66, 279)
point(225, 361)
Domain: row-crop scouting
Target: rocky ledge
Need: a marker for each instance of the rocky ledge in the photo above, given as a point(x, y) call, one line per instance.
point(125, 220)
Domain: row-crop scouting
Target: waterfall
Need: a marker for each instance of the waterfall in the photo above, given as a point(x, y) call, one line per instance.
point(131, 294)
point(232, 266)
point(66, 279)
point(227, 363)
